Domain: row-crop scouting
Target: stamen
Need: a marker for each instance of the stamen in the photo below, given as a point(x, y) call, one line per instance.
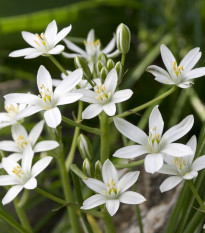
point(179, 162)
point(17, 171)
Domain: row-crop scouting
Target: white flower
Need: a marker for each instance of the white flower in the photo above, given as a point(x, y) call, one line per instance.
point(156, 144)
point(8, 118)
point(43, 44)
point(22, 139)
point(92, 49)
point(181, 168)
point(177, 75)
point(48, 100)
point(83, 84)
point(21, 176)
point(112, 191)
point(104, 97)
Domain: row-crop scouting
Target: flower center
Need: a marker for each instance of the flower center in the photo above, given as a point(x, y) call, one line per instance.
point(21, 142)
point(177, 69)
point(112, 188)
point(17, 171)
point(179, 162)
point(92, 45)
point(45, 94)
point(153, 140)
point(11, 109)
point(102, 94)
point(40, 40)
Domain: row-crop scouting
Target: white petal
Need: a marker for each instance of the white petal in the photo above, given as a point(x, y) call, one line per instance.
point(56, 82)
point(70, 55)
point(114, 54)
point(27, 159)
point(51, 32)
point(109, 172)
point(168, 169)
point(112, 206)
point(88, 96)
point(8, 165)
point(31, 183)
point(69, 83)
point(15, 156)
point(11, 194)
point(177, 150)
point(18, 130)
point(122, 95)
point(186, 84)
point(69, 98)
point(179, 130)
point(52, 117)
point(167, 57)
point(93, 201)
point(9, 146)
point(156, 122)
point(28, 112)
point(195, 73)
point(110, 46)
point(22, 52)
point(73, 47)
point(34, 54)
point(62, 34)
point(110, 108)
point(96, 185)
point(23, 98)
point(5, 117)
point(44, 79)
point(153, 162)
point(199, 163)
point(191, 58)
point(130, 152)
point(92, 111)
point(45, 146)
point(130, 131)
point(57, 50)
point(170, 183)
point(39, 166)
point(8, 180)
point(130, 197)
point(128, 180)
point(159, 73)
point(91, 36)
point(164, 80)
point(111, 81)
point(36, 132)
point(190, 175)
point(192, 143)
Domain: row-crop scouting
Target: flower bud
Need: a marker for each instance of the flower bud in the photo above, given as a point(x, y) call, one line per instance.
point(110, 64)
point(78, 172)
point(88, 168)
point(99, 66)
point(103, 74)
point(81, 63)
point(98, 170)
point(119, 70)
point(103, 58)
point(85, 147)
point(123, 38)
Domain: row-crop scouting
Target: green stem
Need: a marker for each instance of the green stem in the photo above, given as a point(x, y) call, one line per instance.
point(58, 65)
point(50, 196)
point(83, 127)
point(129, 165)
point(123, 59)
point(71, 154)
point(24, 198)
point(196, 195)
point(104, 139)
point(109, 225)
point(7, 218)
point(143, 106)
point(22, 216)
point(194, 223)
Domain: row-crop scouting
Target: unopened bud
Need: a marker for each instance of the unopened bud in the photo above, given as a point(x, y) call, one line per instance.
point(88, 168)
point(81, 63)
point(103, 58)
point(119, 69)
point(99, 66)
point(98, 170)
point(123, 38)
point(110, 64)
point(85, 147)
point(103, 74)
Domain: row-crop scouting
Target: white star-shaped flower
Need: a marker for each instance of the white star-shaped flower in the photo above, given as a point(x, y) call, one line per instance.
point(23, 176)
point(156, 144)
point(44, 44)
point(180, 75)
point(112, 190)
point(48, 100)
point(181, 168)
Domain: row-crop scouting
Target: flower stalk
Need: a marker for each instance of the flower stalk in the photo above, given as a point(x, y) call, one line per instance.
point(109, 225)
point(56, 63)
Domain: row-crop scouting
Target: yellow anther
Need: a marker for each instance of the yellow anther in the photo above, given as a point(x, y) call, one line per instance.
point(21, 141)
point(179, 162)
point(178, 69)
point(17, 171)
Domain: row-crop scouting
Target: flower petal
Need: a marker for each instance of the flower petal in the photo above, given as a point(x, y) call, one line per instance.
point(28, 112)
point(199, 163)
point(156, 122)
point(18, 130)
point(164, 80)
point(195, 73)
point(167, 57)
point(57, 50)
point(45, 146)
point(34, 54)
point(109, 172)
point(130, 152)
point(111, 81)
point(96, 185)
point(130, 197)
point(170, 183)
point(27, 159)
point(92, 111)
point(8, 180)
point(40, 165)
point(73, 47)
point(192, 143)
point(35, 133)
point(128, 180)
point(177, 150)
point(9, 146)
point(110, 108)
point(179, 130)
point(160, 73)
point(51, 32)
point(53, 117)
point(62, 34)
point(69, 98)
point(91, 36)
point(88, 96)
point(11, 194)
point(190, 175)
point(44, 79)
point(30, 38)
point(112, 206)
point(110, 46)
point(8, 165)
point(168, 169)
point(130, 131)
point(31, 183)
point(122, 95)
point(23, 98)
point(22, 52)
point(153, 162)
point(93, 201)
